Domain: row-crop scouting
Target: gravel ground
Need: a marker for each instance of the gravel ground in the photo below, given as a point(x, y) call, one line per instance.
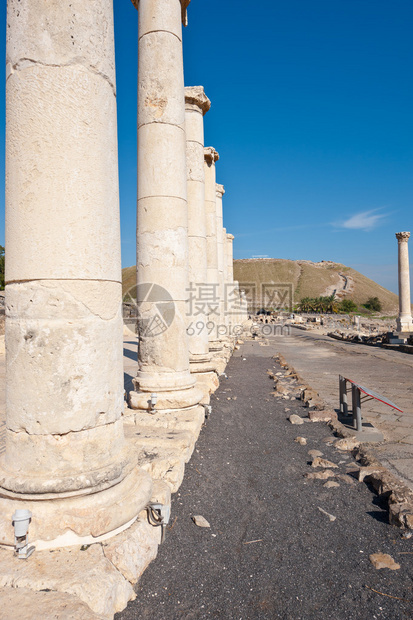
point(270, 552)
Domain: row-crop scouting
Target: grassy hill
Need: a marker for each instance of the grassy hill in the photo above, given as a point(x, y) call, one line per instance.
point(128, 278)
point(307, 278)
point(315, 279)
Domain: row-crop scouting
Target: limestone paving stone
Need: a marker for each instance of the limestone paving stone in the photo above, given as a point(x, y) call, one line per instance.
point(87, 575)
point(50, 605)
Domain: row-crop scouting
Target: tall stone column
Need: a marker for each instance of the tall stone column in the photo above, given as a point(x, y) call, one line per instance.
point(196, 105)
point(232, 303)
point(211, 156)
point(162, 217)
point(230, 257)
point(404, 320)
point(66, 459)
point(223, 327)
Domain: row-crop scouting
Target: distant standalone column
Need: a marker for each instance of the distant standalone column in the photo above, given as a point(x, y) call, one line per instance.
point(65, 458)
point(404, 321)
point(196, 105)
point(211, 156)
point(162, 217)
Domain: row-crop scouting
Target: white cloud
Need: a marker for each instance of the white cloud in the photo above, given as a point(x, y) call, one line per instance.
point(365, 220)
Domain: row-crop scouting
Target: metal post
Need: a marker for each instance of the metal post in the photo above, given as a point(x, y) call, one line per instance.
point(340, 393)
point(343, 395)
point(356, 401)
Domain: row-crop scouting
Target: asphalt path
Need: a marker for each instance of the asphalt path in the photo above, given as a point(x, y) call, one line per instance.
point(270, 552)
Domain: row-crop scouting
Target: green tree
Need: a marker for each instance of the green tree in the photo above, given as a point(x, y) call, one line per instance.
point(373, 303)
point(347, 305)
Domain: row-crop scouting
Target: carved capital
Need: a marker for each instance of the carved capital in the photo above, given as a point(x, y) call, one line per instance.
point(219, 190)
point(230, 237)
point(210, 155)
point(403, 236)
point(184, 6)
point(195, 97)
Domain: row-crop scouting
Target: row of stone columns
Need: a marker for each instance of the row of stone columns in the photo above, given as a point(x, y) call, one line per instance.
point(66, 457)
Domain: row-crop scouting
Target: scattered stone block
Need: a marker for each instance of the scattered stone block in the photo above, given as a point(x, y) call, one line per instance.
point(200, 521)
point(364, 472)
point(295, 419)
point(319, 462)
point(330, 484)
point(383, 560)
point(301, 440)
point(315, 453)
point(320, 475)
point(347, 444)
point(320, 416)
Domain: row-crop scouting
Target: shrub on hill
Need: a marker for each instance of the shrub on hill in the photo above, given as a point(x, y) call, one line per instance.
point(347, 305)
point(373, 303)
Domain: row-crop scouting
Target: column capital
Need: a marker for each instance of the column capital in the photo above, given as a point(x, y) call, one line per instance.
point(403, 236)
point(219, 190)
point(184, 5)
point(195, 97)
point(230, 237)
point(210, 155)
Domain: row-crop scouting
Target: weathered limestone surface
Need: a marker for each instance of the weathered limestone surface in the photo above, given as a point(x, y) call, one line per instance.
point(232, 296)
point(59, 605)
point(404, 320)
point(132, 551)
point(87, 575)
point(196, 105)
point(66, 458)
point(223, 322)
point(211, 156)
point(162, 243)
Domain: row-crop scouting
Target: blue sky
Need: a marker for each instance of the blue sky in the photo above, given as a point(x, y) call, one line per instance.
point(311, 115)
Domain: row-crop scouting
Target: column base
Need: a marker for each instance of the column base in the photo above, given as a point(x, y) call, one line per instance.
point(215, 346)
point(404, 324)
point(208, 382)
point(206, 377)
point(59, 522)
point(170, 400)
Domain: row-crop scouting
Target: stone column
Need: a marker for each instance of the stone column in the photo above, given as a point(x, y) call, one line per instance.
point(211, 156)
point(232, 290)
point(196, 105)
point(222, 332)
point(66, 459)
point(230, 257)
point(162, 217)
point(404, 320)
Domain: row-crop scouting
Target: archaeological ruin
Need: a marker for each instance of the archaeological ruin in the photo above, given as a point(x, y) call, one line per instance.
point(85, 464)
point(94, 450)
